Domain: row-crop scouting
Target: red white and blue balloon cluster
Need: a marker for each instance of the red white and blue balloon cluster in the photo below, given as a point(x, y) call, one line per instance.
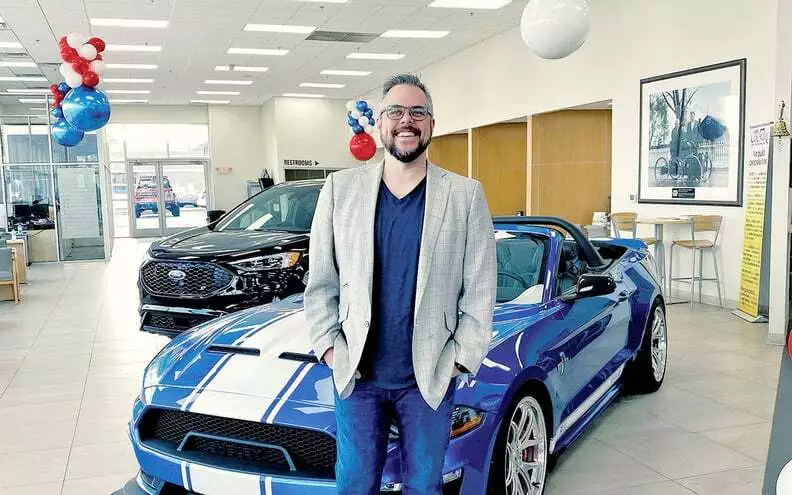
point(360, 118)
point(78, 107)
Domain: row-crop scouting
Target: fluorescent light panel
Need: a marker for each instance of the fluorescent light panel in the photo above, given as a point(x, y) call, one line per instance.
point(28, 91)
point(138, 23)
point(257, 51)
point(322, 85)
point(242, 68)
point(131, 66)
point(322, 1)
point(212, 102)
point(20, 63)
point(352, 73)
point(10, 44)
point(280, 28)
point(24, 78)
point(230, 82)
point(32, 100)
point(133, 48)
point(226, 93)
point(128, 91)
point(470, 4)
point(375, 56)
point(303, 95)
point(126, 80)
point(113, 100)
point(400, 33)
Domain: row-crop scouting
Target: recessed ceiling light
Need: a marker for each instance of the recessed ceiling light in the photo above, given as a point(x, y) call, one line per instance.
point(258, 51)
point(375, 56)
point(399, 33)
point(32, 100)
point(24, 78)
point(133, 48)
point(17, 64)
point(140, 23)
point(470, 4)
point(113, 100)
point(355, 73)
point(126, 80)
point(302, 95)
point(322, 85)
point(28, 91)
point(242, 68)
point(131, 66)
point(280, 28)
point(228, 81)
point(227, 93)
point(212, 102)
point(128, 91)
point(10, 44)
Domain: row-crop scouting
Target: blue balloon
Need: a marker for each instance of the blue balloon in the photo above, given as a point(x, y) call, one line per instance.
point(358, 129)
point(63, 87)
point(64, 134)
point(352, 121)
point(86, 108)
point(57, 113)
point(362, 106)
point(371, 121)
point(369, 113)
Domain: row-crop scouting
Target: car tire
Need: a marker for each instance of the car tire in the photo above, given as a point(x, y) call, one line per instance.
point(646, 374)
point(536, 460)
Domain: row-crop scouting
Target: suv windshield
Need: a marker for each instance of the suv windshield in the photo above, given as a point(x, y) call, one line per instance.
point(289, 207)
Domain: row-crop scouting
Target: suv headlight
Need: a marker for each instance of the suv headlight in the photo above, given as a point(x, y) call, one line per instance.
point(270, 262)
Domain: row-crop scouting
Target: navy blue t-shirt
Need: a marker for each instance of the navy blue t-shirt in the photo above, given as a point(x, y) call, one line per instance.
point(398, 226)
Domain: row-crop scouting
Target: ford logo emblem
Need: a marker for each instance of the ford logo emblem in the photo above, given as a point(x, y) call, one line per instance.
point(176, 275)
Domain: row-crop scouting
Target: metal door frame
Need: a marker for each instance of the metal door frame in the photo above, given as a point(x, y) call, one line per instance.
point(159, 165)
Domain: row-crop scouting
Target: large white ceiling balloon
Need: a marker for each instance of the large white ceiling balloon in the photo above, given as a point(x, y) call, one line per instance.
point(554, 29)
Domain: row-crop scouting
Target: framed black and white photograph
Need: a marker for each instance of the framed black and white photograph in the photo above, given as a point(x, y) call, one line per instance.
point(692, 130)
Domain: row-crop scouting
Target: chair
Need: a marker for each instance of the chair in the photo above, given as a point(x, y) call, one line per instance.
point(8, 273)
point(698, 243)
point(626, 222)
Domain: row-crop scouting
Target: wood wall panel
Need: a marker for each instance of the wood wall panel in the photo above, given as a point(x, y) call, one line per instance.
point(571, 164)
point(450, 152)
point(500, 164)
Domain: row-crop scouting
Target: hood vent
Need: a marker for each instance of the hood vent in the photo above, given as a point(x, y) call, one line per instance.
point(342, 37)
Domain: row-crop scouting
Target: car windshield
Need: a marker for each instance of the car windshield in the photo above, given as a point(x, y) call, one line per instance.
point(522, 258)
point(288, 207)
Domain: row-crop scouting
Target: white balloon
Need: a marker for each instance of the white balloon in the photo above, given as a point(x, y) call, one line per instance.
point(74, 80)
point(356, 113)
point(370, 129)
point(75, 40)
point(553, 29)
point(97, 66)
point(64, 69)
point(88, 52)
point(351, 105)
point(363, 121)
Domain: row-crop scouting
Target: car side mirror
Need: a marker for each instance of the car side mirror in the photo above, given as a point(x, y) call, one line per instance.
point(214, 215)
point(592, 285)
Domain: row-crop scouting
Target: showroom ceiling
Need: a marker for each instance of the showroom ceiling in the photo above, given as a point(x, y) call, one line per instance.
point(201, 36)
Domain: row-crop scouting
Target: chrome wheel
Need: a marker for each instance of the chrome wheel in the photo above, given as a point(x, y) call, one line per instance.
point(659, 344)
point(526, 449)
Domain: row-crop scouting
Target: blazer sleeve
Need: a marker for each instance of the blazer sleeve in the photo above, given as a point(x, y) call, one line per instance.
point(479, 284)
point(321, 296)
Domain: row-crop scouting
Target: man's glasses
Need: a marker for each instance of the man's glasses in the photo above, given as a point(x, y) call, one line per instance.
point(396, 112)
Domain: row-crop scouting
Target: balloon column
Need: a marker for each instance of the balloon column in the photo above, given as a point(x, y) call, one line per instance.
point(360, 118)
point(78, 107)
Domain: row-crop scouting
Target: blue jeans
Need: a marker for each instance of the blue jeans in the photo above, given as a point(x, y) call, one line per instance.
point(363, 425)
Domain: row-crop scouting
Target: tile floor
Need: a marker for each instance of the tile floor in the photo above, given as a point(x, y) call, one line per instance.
point(71, 359)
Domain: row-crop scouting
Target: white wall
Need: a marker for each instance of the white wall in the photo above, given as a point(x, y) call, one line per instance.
point(500, 79)
point(158, 114)
point(270, 141)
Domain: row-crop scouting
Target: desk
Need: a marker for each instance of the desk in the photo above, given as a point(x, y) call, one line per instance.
point(7, 291)
point(18, 245)
point(42, 245)
point(659, 224)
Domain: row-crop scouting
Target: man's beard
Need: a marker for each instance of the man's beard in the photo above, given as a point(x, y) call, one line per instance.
point(406, 156)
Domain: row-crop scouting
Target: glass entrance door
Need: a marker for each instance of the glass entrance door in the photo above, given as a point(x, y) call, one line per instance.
point(166, 197)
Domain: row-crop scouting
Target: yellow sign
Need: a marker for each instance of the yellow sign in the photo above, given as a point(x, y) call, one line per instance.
point(756, 185)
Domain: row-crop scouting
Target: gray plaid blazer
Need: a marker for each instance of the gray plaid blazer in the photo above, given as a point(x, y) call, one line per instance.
point(456, 286)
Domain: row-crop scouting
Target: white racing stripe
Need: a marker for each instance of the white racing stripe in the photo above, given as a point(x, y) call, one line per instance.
point(211, 481)
point(185, 478)
point(282, 401)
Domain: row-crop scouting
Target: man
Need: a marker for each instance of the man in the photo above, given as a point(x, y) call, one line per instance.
point(400, 296)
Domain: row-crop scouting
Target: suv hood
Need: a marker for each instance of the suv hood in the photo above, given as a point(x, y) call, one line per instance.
point(209, 245)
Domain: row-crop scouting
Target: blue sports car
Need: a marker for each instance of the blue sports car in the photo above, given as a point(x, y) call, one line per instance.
point(240, 404)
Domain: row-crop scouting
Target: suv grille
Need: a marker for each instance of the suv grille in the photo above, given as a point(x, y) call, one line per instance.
point(313, 453)
point(199, 279)
point(174, 321)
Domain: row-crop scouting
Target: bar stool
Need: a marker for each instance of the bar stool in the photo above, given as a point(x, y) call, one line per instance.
point(700, 224)
point(626, 222)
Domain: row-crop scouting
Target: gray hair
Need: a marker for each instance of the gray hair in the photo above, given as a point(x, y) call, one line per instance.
point(408, 80)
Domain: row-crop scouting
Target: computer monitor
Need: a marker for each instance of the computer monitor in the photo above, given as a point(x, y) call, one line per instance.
point(40, 210)
point(22, 211)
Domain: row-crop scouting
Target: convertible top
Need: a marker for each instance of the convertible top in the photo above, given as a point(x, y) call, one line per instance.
point(587, 250)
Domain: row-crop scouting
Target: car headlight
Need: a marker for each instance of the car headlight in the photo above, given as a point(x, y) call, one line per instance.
point(270, 262)
point(463, 420)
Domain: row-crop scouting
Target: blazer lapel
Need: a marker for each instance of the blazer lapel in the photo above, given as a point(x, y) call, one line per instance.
point(436, 199)
point(371, 180)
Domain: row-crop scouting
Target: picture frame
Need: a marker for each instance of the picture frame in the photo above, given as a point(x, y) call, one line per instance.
point(692, 136)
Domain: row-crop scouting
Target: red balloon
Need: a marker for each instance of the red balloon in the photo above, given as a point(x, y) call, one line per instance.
point(362, 146)
point(98, 43)
point(98, 56)
point(70, 56)
point(54, 90)
point(62, 42)
point(90, 79)
point(81, 66)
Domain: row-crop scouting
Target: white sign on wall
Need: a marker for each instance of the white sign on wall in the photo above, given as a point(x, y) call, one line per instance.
point(300, 163)
point(78, 201)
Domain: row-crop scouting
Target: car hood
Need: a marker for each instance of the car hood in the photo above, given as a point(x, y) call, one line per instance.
point(208, 245)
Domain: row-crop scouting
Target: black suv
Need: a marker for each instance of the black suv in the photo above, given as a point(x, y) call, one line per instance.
point(252, 255)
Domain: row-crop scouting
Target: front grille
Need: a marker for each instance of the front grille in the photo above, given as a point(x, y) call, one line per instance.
point(199, 279)
point(313, 453)
point(174, 321)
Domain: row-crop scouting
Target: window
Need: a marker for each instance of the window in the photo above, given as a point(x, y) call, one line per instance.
point(522, 258)
point(286, 207)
